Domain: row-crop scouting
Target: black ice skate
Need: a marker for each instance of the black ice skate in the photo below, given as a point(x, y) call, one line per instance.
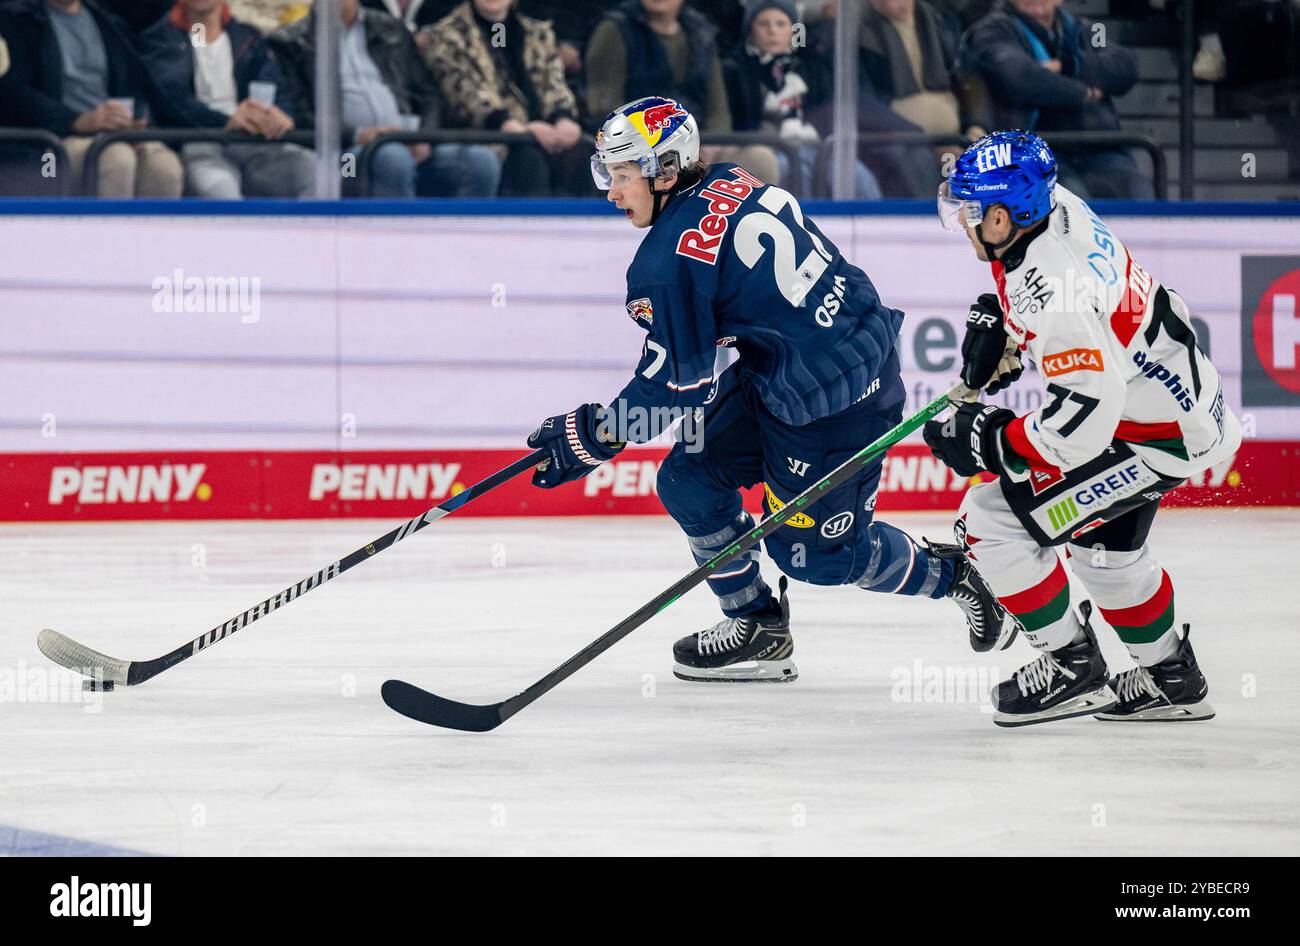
point(1173, 690)
point(1069, 681)
point(751, 649)
point(991, 628)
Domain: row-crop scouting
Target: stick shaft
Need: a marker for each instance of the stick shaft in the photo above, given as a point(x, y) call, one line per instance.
point(816, 491)
point(76, 656)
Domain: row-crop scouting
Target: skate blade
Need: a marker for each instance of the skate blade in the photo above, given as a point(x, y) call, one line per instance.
point(1086, 704)
point(1191, 713)
point(749, 671)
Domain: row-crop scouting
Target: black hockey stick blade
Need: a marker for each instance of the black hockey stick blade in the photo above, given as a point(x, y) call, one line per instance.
point(109, 672)
point(425, 707)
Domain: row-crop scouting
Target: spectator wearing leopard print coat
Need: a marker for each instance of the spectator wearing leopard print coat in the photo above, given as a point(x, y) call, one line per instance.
point(498, 69)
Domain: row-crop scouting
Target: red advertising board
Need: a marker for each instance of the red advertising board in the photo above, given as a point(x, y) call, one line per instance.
point(396, 484)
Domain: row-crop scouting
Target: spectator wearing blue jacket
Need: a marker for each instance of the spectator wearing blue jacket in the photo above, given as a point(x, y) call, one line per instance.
point(204, 61)
point(1045, 73)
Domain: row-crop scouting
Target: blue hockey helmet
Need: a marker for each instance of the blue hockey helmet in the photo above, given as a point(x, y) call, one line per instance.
point(1013, 168)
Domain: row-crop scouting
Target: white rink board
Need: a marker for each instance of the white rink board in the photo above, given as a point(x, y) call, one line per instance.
point(276, 741)
point(443, 331)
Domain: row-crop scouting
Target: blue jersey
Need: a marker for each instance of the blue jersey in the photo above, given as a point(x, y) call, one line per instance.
point(733, 262)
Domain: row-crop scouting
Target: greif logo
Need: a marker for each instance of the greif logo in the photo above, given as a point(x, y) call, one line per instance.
point(75, 899)
point(1063, 513)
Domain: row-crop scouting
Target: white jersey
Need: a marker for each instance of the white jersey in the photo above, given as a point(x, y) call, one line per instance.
point(1116, 350)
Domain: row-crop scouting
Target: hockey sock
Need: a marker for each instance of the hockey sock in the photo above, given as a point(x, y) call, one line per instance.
point(1134, 595)
point(738, 585)
point(897, 565)
point(1043, 609)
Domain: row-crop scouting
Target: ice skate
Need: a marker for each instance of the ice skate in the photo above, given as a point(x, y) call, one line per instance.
point(755, 648)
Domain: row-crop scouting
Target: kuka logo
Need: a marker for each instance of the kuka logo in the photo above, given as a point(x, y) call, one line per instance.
point(143, 483)
point(1076, 359)
point(1277, 330)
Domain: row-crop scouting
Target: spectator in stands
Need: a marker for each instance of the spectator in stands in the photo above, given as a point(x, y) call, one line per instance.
point(655, 47)
point(382, 83)
point(138, 15)
point(19, 165)
point(767, 89)
point(901, 171)
point(908, 54)
point(964, 13)
point(206, 76)
point(269, 15)
point(74, 71)
point(1045, 74)
point(573, 20)
point(500, 70)
point(413, 13)
point(728, 18)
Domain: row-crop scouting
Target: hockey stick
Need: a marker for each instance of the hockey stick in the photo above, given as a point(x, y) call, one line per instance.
point(108, 672)
point(426, 707)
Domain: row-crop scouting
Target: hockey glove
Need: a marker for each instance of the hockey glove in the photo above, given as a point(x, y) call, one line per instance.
point(990, 359)
point(574, 446)
point(967, 442)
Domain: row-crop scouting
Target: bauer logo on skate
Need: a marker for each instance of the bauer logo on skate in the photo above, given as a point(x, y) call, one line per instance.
point(164, 483)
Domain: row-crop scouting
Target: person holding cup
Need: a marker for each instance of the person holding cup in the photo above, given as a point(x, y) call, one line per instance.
point(216, 72)
point(74, 71)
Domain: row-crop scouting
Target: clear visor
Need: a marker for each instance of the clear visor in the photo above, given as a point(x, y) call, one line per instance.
point(956, 215)
point(622, 173)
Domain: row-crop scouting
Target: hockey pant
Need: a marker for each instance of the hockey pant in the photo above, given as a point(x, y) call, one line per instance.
point(836, 541)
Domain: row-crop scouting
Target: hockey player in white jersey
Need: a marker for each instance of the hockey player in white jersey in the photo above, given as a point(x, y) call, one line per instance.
point(1134, 407)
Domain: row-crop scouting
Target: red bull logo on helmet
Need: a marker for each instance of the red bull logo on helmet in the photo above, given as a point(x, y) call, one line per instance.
point(653, 121)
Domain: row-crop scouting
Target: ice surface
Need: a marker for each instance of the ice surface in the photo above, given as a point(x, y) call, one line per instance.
point(276, 741)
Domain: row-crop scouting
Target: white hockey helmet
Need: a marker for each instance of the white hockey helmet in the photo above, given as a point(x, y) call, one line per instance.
point(659, 135)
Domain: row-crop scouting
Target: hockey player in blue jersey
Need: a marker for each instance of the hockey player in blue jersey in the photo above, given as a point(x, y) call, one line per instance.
point(729, 262)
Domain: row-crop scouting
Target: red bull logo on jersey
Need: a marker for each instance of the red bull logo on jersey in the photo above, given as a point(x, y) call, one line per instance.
point(652, 122)
point(703, 241)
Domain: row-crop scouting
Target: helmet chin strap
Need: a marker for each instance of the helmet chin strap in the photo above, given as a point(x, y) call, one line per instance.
point(990, 249)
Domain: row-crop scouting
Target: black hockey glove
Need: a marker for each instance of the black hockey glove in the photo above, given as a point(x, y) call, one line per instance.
point(967, 441)
point(574, 445)
point(990, 359)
